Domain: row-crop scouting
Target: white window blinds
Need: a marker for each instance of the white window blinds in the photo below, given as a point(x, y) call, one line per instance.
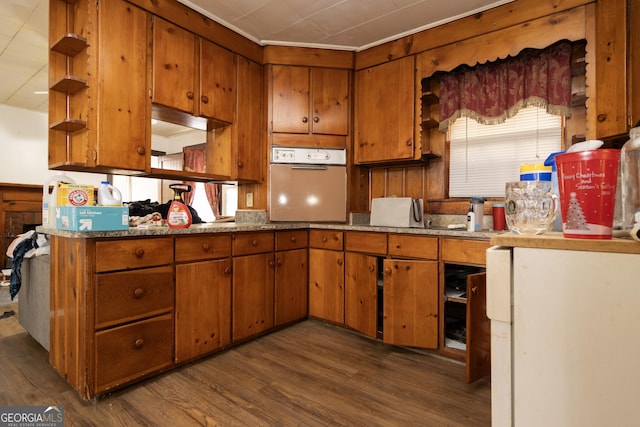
point(484, 157)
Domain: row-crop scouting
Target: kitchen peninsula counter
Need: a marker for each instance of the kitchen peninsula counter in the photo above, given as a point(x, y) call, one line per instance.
point(229, 227)
point(123, 303)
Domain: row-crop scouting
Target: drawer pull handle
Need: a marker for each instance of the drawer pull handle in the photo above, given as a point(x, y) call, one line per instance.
point(254, 242)
point(316, 119)
point(324, 239)
point(305, 120)
point(139, 252)
point(205, 247)
point(293, 239)
point(139, 293)
point(139, 343)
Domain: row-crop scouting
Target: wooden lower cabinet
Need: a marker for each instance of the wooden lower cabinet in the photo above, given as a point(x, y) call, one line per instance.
point(411, 303)
point(253, 284)
point(326, 285)
point(361, 293)
point(292, 269)
point(113, 304)
point(203, 295)
point(465, 327)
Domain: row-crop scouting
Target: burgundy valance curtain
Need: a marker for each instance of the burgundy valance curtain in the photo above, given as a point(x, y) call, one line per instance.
point(492, 92)
point(195, 160)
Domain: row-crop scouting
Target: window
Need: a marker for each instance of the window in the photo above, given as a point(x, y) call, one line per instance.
point(484, 157)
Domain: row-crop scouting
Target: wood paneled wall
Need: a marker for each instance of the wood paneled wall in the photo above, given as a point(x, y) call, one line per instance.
point(20, 205)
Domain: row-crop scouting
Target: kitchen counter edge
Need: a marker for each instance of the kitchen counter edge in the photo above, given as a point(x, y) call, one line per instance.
point(248, 227)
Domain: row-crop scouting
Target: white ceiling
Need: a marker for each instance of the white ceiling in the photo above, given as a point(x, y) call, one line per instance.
point(338, 24)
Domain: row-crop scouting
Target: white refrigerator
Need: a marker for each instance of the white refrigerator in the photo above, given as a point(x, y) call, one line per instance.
point(565, 335)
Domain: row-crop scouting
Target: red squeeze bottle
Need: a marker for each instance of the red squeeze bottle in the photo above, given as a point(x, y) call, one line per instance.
point(179, 215)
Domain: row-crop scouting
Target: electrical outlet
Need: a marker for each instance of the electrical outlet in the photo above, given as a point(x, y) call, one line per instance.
point(249, 200)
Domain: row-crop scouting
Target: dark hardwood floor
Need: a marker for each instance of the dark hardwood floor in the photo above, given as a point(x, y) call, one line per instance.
point(310, 374)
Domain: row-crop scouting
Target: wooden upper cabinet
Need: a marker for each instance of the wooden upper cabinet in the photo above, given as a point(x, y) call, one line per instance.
point(174, 54)
point(217, 82)
point(191, 74)
point(614, 75)
point(122, 89)
point(384, 129)
point(309, 101)
point(249, 126)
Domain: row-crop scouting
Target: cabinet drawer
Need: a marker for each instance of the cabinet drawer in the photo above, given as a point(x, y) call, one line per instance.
point(133, 253)
point(465, 251)
point(326, 239)
point(286, 240)
point(133, 351)
point(404, 245)
point(131, 295)
point(252, 243)
point(369, 243)
point(203, 246)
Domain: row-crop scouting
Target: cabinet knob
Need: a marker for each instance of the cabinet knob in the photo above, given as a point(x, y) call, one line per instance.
point(138, 343)
point(324, 239)
point(409, 143)
point(339, 261)
point(372, 268)
point(227, 271)
point(189, 95)
point(387, 270)
point(474, 290)
point(139, 252)
point(254, 242)
point(271, 263)
point(316, 119)
point(139, 293)
point(205, 247)
point(204, 99)
point(141, 150)
point(293, 239)
point(279, 261)
point(602, 117)
point(305, 119)
point(240, 164)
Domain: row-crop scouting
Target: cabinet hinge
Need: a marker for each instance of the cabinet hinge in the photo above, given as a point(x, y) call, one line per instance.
point(95, 155)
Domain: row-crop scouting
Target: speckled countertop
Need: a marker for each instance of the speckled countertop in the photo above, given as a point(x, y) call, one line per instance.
point(228, 227)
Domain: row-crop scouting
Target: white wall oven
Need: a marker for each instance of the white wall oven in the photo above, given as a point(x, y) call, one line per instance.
point(308, 184)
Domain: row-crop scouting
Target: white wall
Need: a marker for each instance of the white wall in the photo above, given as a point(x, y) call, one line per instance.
point(24, 149)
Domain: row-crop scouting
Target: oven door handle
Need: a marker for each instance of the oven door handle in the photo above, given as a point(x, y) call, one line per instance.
point(310, 167)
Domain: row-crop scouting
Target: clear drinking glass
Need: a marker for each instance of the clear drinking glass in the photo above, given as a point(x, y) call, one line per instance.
point(530, 206)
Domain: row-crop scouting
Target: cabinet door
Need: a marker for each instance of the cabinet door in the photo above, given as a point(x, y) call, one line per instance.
point(290, 99)
point(124, 137)
point(217, 82)
point(361, 300)
point(173, 66)
point(330, 101)
point(249, 139)
point(385, 112)
point(203, 308)
point(410, 303)
point(252, 301)
point(478, 358)
point(291, 286)
point(326, 285)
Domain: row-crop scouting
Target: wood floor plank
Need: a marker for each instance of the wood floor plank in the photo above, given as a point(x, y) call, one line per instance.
point(309, 374)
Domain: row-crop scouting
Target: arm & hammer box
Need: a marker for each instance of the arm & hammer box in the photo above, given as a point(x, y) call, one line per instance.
point(92, 218)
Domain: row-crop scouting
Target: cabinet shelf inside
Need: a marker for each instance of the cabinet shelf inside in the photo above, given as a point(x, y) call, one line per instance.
point(69, 125)
point(70, 44)
point(69, 85)
point(429, 97)
point(430, 123)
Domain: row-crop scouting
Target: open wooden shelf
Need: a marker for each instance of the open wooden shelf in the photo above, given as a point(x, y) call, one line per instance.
point(69, 125)
point(70, 44)
point(69, 85)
